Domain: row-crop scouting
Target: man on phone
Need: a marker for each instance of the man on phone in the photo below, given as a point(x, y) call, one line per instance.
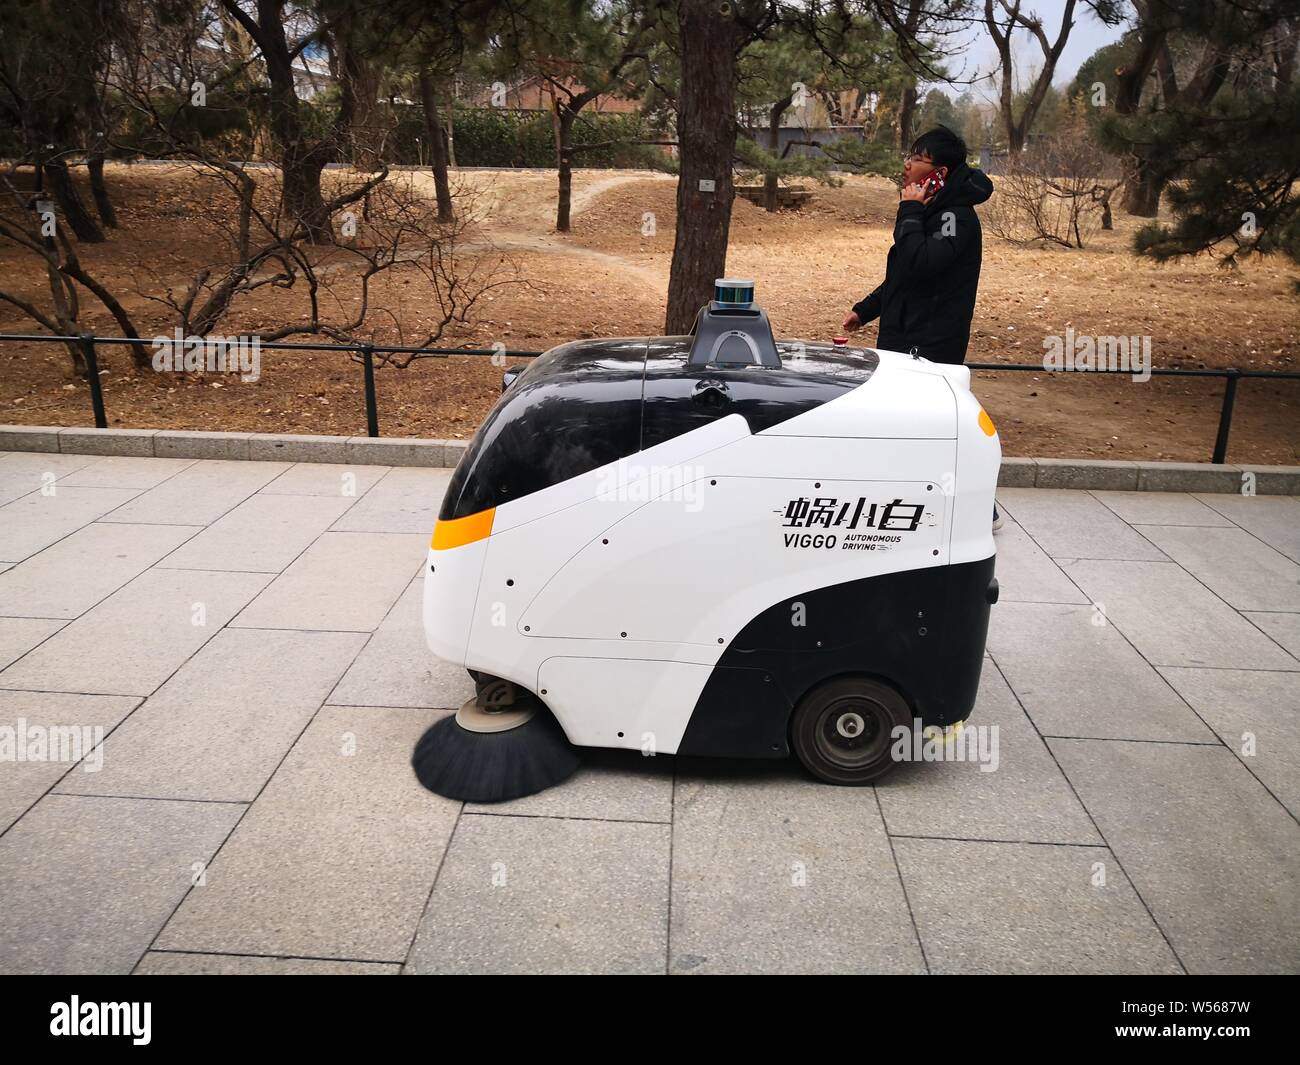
point(927, 298)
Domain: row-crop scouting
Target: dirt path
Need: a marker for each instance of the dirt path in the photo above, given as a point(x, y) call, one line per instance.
point(608, 277)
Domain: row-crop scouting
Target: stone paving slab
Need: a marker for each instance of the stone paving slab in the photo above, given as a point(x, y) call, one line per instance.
point(180, 963)
point(1078, 678)
point(263, 534)
point(1173, 619)
point(608, 786)
point(1025, 573)
point(20, 635)
point(1212, 854)
point(88, 882)
point(222, 723)
point(1284, 629)
point(344, 581)
point(1023, 798)
point(126, 472)
point(1017, 908)
point(200, 494)
point(37, 520)
point(1275, 520)
point(543, 895)
point(58, 729)
point(337, 856)
point(1251, 710)
point(1069, 524)
point(343, 863)
point(776, 873)
point(137, 637)
point(396, 667)
point(23, 473)
point(68, 578)
point(1160, 508)
point(406, 500)
point(1236, 566)
point(326, 479)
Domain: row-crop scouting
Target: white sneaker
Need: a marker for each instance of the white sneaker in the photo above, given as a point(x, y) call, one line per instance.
point(997, 518)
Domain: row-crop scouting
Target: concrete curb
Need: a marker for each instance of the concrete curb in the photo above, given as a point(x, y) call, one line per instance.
point(1099, 474)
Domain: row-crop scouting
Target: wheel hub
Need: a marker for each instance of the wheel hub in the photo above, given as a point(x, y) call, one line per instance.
point(850, 725)
point(851, 733)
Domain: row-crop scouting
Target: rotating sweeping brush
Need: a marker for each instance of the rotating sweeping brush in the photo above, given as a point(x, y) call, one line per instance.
point(494, 753)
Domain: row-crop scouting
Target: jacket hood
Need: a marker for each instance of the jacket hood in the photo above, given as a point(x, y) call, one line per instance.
point(966, 186)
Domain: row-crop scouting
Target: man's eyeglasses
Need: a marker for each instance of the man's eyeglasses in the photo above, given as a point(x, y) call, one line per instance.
point(913, 157)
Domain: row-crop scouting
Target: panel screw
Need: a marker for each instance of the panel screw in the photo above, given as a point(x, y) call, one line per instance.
point(528, 628)
point(623, 634)
point(510, 584)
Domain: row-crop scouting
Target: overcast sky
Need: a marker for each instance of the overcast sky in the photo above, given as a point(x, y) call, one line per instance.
point(1089, 34)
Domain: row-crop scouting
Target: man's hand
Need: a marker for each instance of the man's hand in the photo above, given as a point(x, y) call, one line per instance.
point(914, 192)
point(852, 322)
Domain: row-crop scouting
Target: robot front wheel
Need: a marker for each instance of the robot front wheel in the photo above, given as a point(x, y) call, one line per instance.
point(842, 730)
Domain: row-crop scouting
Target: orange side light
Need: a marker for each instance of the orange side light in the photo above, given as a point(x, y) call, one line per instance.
point(461, 531)
point(986, 423)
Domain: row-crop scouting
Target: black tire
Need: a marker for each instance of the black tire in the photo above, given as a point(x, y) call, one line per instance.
point(843, 730)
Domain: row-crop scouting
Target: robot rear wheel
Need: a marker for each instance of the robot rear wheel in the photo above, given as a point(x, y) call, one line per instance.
point(842, 730)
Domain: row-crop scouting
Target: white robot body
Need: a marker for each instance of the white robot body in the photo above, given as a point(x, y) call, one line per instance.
point(684, 596)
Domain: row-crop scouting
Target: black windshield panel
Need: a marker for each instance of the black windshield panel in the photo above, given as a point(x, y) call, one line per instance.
point(583, 405)
point(574, 409)
point(680, 398)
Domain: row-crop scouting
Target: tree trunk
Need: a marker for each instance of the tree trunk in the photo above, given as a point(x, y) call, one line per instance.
point(366, 132)
point(773, 143)
point(906, 113)
point(706, 133)
point(103, 204)
point(1142, 188)
point(437, 147)
point(564, 151)
point(301, 167)
point(301, 161)
point(450, 126)
point(59, 181)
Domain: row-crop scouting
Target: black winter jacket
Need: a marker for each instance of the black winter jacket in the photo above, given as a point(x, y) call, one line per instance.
point(928, 296)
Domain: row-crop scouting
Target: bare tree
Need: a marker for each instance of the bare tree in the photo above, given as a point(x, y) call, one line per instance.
point(1003, 18)
point(1057, 190)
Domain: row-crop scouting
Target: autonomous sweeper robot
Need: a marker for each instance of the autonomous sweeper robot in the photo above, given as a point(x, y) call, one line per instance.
point(716, 544)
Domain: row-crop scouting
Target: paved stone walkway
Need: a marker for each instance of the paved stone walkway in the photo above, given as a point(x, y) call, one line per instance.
point(247, 636)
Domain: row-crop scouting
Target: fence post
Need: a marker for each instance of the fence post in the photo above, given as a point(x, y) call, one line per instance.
point(92, 375)
point(372, 402)
point(1225, 416)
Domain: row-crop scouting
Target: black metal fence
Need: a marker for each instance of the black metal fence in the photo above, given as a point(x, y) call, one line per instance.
point(86, 343)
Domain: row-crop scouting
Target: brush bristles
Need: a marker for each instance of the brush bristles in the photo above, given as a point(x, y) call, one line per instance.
point(493, 766)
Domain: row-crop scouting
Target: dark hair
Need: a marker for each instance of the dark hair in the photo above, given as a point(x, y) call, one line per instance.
point(942, 145)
